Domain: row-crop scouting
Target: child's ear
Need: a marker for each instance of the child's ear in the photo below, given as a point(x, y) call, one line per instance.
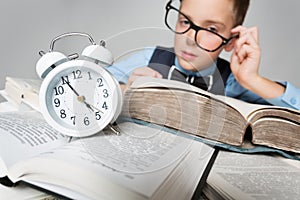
point(230, 45)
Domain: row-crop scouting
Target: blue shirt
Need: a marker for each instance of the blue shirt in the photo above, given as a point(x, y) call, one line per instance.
point(123, 69)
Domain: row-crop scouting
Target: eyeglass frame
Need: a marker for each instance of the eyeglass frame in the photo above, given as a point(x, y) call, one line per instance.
point(196, 29)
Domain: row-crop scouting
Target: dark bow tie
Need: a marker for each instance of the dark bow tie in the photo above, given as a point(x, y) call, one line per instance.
point(204, 83)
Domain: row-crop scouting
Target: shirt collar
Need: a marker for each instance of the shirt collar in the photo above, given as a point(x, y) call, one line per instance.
point(205, 72)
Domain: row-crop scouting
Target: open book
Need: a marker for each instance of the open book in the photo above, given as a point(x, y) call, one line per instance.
point(144, 162)
point(197, 112)
point(249, 177)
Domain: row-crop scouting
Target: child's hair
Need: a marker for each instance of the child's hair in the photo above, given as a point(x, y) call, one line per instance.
point(240, 8)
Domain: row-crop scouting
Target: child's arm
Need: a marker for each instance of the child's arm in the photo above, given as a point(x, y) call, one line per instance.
point(245, 64)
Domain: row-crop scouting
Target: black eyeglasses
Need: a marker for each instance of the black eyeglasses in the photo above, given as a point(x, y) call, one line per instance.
point(206, 39)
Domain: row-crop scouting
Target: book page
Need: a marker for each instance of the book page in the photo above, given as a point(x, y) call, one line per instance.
point(20, 90)
point(255, 176)
point(25, 134)
point(25, 84)
point(149, 82)
point(243, 107)
point(7, 106)
point(139, 159)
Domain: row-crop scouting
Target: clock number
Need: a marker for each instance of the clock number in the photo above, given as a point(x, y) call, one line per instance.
point(105, 93)
point(73, 119)
point(65, 80)
point(104, 105)
point(59, 90)
point(56, 102)
point(77, 74)
point(86, 121)
point(97, 115)
point(90, 76)
point(100, 82)
point(63, 114)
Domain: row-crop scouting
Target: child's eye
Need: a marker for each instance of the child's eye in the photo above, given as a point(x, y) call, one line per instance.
point(184, 22)
point(213, 29)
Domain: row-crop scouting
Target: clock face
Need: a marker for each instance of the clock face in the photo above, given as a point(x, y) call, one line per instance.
point(79, 98)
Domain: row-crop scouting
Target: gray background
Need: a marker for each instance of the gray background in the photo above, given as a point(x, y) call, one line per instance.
point(28, 27)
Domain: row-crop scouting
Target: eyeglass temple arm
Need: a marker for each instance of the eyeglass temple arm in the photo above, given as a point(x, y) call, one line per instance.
point(234, 36)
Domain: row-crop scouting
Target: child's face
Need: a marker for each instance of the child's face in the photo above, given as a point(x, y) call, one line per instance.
point(215, 15)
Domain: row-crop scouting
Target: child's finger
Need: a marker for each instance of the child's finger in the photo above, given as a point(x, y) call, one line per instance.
point(238, 29)
point(254, 32)
point(146, 71)
point(243, 53)
point(143, 71)
point(248, 39)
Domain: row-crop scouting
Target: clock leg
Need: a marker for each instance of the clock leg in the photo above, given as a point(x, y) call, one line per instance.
point(70, 139)
point(114, 129)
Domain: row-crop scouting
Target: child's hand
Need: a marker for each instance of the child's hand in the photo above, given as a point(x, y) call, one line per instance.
point(245, 62)
point(246, 56)
point(143, 71)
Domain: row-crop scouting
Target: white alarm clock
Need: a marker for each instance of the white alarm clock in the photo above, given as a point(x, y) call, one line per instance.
point(78, 96)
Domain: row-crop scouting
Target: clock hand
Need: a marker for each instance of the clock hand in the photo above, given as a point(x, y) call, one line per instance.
point(93, 108)
point(79, 98)
point(70, 86)
point(117, 132)
point(82, 99)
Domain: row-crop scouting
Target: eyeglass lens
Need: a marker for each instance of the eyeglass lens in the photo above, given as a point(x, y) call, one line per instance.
point(180, 24)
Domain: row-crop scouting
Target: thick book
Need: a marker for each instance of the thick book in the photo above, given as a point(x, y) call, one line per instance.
point(214, 117)
point(143, 162)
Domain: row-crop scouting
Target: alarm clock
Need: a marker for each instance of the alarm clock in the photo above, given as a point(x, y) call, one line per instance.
point(78, 96)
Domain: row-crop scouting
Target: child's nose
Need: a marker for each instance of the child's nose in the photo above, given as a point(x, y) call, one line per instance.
point(190, 37)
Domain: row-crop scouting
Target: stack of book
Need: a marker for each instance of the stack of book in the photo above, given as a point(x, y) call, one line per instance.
point(143, 162)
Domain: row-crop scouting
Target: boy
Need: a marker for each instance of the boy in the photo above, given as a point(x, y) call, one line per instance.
point(203, 28)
